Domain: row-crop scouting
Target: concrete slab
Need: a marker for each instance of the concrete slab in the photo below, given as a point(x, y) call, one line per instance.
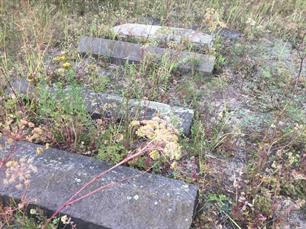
point(122, 52)
point(164, 34)
point(114, 106)
point(145, 201)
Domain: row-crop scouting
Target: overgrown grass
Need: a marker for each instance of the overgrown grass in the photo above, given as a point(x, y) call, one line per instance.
point(272, 129)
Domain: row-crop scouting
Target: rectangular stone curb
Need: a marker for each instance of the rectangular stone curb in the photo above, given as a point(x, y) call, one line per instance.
point(145, 201)
point(114, 106)
point(164, 34)
point(125, 51)
point(178, 116)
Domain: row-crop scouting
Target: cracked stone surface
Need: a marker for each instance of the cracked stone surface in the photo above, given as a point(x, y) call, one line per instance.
point(121, 52)
point(142, 201)
point(114, 106)
point(164, 34)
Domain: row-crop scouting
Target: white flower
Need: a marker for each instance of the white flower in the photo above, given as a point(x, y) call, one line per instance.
point(65, 219)
point(251, 22)
point(32, 211)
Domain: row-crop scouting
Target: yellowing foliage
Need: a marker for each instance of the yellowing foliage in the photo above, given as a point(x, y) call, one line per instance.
point(158, 131)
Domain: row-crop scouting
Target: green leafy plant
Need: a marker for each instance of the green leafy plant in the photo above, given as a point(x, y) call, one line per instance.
point(111, 145)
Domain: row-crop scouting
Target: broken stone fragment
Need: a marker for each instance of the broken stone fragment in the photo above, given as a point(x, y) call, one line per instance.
point(142, 200)
point(122, 52)
point(164, 34)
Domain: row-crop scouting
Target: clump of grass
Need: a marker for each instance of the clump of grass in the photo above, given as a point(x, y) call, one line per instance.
point(150, 79)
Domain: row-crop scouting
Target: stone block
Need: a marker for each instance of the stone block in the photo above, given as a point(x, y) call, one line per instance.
point(144, 201)
point(114, 106)
point(164, 34)
point(122, 52)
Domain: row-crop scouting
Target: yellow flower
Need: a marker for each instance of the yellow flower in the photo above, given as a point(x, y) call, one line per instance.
point(154, 155)
point(66, 65)
point(10, 141)
point(134, 123)
point(173, 151)
point(11, 164)
point(39, 150)
point(119, 137)
point(162, 134)
point(61, 58)
point(61, 71)
point(173, 165)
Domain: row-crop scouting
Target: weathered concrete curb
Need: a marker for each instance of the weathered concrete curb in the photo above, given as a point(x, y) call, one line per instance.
point(125, 51)
point(145, 201)
point(164, 34)
point(113, 106)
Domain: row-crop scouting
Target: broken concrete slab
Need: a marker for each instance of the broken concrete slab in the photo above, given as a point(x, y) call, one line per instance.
point(120, 51)
point(142, 201)
point(164, 34)
point(114, 106)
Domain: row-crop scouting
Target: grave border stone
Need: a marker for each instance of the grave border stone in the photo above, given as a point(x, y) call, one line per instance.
point(99, 104)
point(164, 34)
point(144, 201)
point(121, 52)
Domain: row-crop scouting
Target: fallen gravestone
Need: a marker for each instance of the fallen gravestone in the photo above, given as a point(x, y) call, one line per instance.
point(113, 106)
point(164, 34)
point(120, 51)
point(143, 201)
